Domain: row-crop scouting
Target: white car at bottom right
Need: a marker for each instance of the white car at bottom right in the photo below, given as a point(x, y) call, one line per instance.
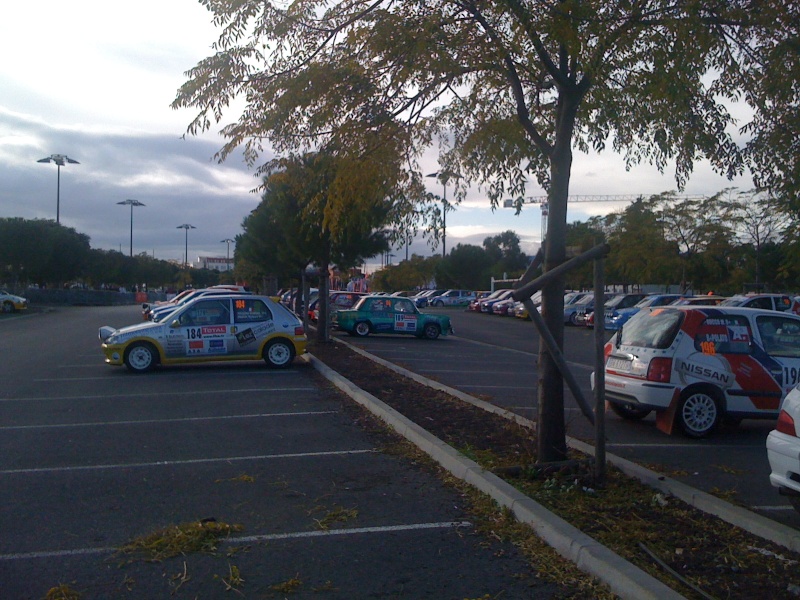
point(783, 450)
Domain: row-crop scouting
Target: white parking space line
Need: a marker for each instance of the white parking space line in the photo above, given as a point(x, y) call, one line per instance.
point(171, 463)
point(514, 350)
point(216, 374)
point(772, 508)
point(492, 387)
point(230, 392)
point(471, 372)
point(470, 359)
point(159, 421)
point(254, 539)
point(695, 446)
point(531, 354)
point(354, 531)
point(427, 360)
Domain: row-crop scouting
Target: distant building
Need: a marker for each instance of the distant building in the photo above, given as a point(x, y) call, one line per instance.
point(215, 263)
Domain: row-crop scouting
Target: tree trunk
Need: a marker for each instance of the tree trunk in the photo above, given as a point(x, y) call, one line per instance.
point(323, 326)
point(552, 441)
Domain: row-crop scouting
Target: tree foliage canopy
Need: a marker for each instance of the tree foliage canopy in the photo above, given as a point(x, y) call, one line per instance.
point(512, 86)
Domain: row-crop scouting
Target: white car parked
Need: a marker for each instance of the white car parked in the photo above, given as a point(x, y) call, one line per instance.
point(695, 366)
point(453, 298)
point(783, 450)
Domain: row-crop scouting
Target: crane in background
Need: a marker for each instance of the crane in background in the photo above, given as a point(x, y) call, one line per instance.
point(542, 202)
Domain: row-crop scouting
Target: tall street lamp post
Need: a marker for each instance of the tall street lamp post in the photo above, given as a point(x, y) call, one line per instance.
point(228, 241)
point(443, 177)
point(186, 227)
point(132, 204)
point(60, 160)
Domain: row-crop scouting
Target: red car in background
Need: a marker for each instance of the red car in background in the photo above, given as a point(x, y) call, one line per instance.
point(338, 301)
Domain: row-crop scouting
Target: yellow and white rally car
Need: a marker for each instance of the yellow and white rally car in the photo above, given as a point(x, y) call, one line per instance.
point(10, 303)
point(219, 328)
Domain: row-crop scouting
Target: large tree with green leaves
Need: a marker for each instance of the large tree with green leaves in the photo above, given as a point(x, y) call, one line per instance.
point(640, 251)
point(313, 214)
point(514, 87)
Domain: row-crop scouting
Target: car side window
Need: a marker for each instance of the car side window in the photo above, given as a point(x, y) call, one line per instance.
point(378, 305)
point(403, 306)
point(724, 334)
point(760, 303)
point(780, 336)
point(247, 310)
point(207, 312)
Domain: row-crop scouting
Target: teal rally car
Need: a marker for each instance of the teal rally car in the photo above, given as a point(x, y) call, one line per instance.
point(389, 314)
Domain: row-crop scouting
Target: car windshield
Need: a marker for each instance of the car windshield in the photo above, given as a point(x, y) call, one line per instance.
point(585, 300)
point(734, 301)
point(651, 328)
point(614, 302)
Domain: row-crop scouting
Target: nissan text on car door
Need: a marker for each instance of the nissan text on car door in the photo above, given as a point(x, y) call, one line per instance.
point(695, 366)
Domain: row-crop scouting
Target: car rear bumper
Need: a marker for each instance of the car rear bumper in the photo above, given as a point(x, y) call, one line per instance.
point(783, 452)
point(628, 390)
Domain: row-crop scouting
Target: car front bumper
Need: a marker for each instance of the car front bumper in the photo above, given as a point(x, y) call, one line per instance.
point(113, 354)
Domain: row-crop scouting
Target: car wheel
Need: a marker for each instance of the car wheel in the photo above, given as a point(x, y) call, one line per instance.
point(431, 331)
point(8, 307)
point(279, 353)
point(361, 329)
point(438, 303)
point(698, 413)
point(630, 412)
point(573, 319)
point(140, 357)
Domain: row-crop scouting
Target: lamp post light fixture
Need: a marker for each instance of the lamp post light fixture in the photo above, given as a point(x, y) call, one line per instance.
point(443, 176)
point(60, 160)
point(186, 227)
point(228, 241)
point(132, 204)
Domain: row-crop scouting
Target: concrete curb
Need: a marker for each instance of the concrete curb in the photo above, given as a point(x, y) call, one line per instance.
point(735, 515)
point(622, 577)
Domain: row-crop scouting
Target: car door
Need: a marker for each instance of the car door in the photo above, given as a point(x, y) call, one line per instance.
point(380, 314)
point(780, 338)
point(203, 329)
point(253, 321)
point(406, 316)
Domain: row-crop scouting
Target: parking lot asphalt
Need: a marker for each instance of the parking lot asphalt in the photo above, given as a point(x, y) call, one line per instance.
point(494, 358)
point(93, 457)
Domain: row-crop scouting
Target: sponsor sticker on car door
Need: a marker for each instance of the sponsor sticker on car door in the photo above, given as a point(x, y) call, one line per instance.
point(253, 322)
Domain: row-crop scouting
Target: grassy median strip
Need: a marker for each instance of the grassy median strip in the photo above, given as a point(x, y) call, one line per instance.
point(696, 554)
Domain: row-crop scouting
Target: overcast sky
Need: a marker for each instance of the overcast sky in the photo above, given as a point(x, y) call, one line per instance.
point(94, 80)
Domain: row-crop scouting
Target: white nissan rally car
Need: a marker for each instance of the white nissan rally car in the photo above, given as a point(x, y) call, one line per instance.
point(697, 365)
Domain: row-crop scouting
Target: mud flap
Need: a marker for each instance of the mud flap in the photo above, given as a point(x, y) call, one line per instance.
point(665, 419)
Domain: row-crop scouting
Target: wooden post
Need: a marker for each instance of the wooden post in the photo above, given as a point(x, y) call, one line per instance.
point(599, 373)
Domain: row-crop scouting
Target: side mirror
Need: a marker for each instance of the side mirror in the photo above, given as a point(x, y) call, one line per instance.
point(175, 324)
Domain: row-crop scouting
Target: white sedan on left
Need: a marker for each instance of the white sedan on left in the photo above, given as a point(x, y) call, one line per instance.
point(783, 450)
point(11, 303)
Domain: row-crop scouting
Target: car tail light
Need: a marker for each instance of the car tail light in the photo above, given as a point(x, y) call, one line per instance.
point(660, 370)
point(786, 424)
point(299, 330)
